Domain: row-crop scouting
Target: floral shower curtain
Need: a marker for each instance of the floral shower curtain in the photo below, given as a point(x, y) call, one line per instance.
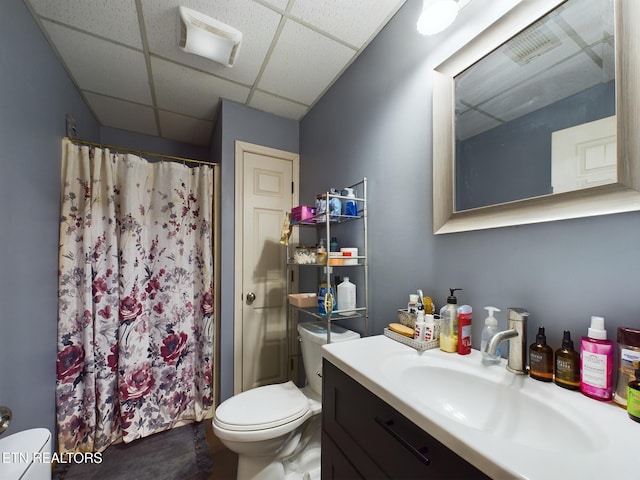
point(135, 315)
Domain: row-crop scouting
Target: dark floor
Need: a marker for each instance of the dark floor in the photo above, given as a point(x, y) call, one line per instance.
point(225, 462)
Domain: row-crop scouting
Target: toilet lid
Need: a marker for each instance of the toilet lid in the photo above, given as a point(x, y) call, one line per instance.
point(262, 408)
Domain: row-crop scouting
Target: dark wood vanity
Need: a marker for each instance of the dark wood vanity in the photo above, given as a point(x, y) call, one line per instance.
point(364, 437)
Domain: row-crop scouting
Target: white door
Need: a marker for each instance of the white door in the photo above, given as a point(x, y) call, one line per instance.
point(265, 192)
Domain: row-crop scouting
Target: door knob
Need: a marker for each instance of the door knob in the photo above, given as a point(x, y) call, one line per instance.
point(251, 297)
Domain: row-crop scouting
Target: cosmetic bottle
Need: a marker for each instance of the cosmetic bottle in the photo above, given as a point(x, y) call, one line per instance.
point(633, 395)
point(449, 323)
point(596, 362)
point(489, 330)
point(419, 329)
point(567, 364)
point(541, 358)
point(429, 328)
point(464, 329)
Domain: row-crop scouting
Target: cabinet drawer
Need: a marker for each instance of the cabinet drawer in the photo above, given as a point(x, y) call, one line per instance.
point(372, 432)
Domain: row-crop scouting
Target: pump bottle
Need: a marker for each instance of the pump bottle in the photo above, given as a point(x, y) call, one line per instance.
point(489, 330)
point(567, 364)
point(449, 319)
point(541, 358)
point(596, 362)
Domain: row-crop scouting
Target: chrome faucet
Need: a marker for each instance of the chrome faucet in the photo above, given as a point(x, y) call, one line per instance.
point(516, 333)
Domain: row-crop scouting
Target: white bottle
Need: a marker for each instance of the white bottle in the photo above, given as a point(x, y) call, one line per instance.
point(346, 297)
point(489, 330)
point(419, 330)
point(429, 328)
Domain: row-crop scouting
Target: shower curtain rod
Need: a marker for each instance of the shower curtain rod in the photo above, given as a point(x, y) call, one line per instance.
point(140, 152)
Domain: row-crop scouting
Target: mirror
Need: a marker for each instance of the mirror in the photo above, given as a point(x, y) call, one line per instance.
point(483, 181)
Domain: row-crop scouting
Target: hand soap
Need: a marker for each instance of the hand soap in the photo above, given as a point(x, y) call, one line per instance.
point(541, 358)
point(449, 319)
point(596, 362)
point(489, 330)
point(567, 364)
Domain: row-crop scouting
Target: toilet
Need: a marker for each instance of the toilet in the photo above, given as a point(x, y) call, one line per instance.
point(275, 429)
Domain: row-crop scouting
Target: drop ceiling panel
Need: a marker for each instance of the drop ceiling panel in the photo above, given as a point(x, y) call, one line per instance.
point(124, 57)
point(192, 92)
point(185, 129)
point(257, 23)
point(112, 112)
point(278, 106)
point(116, 20)
point(102, 67)
point(352, 21)
point(309, 70)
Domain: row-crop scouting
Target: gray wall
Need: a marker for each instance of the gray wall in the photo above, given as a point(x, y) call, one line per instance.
point(376, 122)
point(35, 94)
point(245, 124)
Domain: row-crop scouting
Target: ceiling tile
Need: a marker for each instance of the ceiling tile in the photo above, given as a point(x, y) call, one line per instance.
point(112, 112)
point(309, 69)
point(101, 66)
point(257, 23)
point(354, 21)
point(192, 92)
point(281, 4)
point(278, 106)
point(185, 129)
point(115, 19)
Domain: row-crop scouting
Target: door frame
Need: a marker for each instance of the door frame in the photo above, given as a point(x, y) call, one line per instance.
point(240, 149)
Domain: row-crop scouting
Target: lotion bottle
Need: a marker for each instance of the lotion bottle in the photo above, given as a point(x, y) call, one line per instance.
point(596, 362)
point(541, 358)
point(489, 330)
point(567, 364)
point(449, 319)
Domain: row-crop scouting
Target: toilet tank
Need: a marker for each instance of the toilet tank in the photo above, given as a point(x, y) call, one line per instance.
point(312, 336)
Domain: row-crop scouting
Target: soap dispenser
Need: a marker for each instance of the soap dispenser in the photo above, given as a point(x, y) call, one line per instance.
point(541, 358)
point(489, 330)
point(449, 319)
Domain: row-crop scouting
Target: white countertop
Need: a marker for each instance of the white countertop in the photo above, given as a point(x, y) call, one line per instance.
point(612, 439)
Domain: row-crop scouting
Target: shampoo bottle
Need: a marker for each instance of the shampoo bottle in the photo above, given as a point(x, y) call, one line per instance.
point(449, 322)
point(464, 329)
point(489, 330)
point(567, 364)
point(541, 358)
point(596, 362)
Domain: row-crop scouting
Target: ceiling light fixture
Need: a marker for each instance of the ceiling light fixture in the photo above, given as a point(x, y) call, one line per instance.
point(436, 16)
point(208, 38)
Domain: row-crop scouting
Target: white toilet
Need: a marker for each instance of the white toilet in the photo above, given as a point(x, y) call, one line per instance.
point(275, 429)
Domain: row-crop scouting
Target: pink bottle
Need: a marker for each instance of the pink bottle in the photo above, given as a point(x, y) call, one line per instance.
point(596, 362)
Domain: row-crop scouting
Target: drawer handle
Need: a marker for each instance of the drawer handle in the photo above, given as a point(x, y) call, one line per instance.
point(419, 453)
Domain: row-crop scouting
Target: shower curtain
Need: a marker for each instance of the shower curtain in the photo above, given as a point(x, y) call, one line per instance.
point(135, 314)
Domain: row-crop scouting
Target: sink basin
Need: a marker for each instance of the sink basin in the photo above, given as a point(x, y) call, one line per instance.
point(494, 401)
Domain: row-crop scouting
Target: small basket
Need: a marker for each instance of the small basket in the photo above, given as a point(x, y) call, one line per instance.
point(407, 318)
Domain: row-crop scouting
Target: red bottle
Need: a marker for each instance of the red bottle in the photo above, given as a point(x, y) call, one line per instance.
point(464, 329)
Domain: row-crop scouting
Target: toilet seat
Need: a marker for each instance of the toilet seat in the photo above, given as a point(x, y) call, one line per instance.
point(262, 412)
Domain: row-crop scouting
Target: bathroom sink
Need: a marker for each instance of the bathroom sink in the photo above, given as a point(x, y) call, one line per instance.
point(507, 425)
point(26, 455)
point(493, 401)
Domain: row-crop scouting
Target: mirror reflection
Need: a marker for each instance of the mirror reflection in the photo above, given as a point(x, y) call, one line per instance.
point(537, 115)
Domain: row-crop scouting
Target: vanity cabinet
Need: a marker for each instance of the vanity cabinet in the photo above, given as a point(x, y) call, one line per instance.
point(364, 437)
